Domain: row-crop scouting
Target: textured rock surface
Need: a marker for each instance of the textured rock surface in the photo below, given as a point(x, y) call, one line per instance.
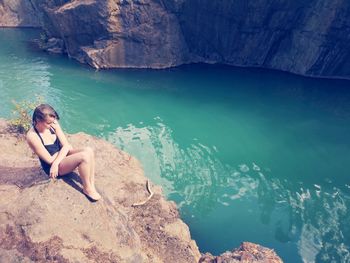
point(309, 38)
point(247, 252)
point(52, 221)
point(303, 37)
point(17, 13)
point(44, 221)
point(107, 34)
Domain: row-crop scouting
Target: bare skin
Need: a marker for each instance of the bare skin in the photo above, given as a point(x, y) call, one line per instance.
point(82, 158)
point(67, 159)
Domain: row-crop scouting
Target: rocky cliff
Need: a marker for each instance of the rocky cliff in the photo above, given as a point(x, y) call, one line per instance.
point(18, 13)
point(247, 252)
point(114, 34)
point(303, 37)
point(51, 221)
point(309, 38)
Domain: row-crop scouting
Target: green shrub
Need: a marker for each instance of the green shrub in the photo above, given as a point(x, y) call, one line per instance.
point(22, 114)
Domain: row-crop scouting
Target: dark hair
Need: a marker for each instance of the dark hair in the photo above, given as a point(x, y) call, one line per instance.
point(42, 111)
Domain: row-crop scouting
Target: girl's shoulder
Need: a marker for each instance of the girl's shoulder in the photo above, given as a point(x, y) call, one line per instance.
point(31, 130)
point(30, 133)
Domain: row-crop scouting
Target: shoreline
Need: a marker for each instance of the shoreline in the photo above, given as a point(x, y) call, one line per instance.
point(209, 63)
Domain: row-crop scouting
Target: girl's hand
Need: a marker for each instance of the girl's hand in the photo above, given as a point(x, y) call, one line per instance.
point(54, 124)
point(54, 170)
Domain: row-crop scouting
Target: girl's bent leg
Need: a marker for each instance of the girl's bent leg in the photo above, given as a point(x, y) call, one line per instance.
point(92, 163)
point(69, 163)
point(82, 161)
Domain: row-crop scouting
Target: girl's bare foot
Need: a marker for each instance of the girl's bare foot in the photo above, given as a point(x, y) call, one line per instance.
point(95, 191)
point(93, 194)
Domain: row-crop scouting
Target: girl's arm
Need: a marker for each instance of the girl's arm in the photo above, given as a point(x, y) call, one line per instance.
point(36, 145)
point(66, 147)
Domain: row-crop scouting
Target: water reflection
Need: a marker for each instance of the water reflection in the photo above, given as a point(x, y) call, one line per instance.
point(317, 218)
point(312, 217)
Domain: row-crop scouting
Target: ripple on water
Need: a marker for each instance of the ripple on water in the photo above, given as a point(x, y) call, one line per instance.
point(313, 213)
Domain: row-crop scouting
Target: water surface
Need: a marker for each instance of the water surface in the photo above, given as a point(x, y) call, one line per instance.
point(247, 154)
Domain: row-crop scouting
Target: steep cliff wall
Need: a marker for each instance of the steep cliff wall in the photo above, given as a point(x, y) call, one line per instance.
point(109, 34)
point(17, 13)
point(303, 37)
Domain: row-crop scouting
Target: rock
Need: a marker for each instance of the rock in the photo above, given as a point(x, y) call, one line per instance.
point(308, 38)
point(116, 34)
point(43, 220)
point(18, 13)
point(54, 45)
point(247, 252)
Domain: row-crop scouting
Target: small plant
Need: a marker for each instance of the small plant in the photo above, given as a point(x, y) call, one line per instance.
point(22, 113)
point(41, 42)
point(43, 37)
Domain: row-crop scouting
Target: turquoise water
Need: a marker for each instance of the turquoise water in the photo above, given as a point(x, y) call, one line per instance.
point(247, 154)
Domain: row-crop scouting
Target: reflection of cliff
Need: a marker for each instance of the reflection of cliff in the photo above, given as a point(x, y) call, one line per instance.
point(310, 38)
point(309, 216)
point(313, 217)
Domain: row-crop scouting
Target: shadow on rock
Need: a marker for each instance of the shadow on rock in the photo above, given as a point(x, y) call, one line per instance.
point(26, 177)
point(72, 179)
point(23, 177)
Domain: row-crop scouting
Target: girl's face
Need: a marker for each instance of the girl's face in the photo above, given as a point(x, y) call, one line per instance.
point(50, 118)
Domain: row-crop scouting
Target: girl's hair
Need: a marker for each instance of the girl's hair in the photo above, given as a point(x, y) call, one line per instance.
point(42, 111)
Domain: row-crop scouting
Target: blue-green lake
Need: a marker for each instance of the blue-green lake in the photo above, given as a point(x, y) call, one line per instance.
point(247, 154)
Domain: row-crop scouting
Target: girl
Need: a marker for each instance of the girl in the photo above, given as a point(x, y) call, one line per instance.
point(56, 155)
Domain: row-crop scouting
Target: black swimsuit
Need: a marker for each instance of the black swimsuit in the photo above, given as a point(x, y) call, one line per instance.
point(51, 148)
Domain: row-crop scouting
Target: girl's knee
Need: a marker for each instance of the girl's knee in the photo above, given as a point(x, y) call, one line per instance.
point(85, 156)
point(89, 150)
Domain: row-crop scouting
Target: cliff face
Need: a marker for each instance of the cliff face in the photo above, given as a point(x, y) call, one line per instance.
point(304, 37)
point(109, 34)
point(308, 38)
point(15, 13)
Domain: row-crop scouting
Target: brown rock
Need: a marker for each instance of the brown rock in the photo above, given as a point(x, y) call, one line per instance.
point(52, 221)
point(18, 13)
point(305, 38)
point(309, 39)
point(43, 220)
point(247, 252)
point(123, 34)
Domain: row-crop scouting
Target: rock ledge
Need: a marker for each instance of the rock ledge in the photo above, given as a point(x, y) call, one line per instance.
point(42, 220)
